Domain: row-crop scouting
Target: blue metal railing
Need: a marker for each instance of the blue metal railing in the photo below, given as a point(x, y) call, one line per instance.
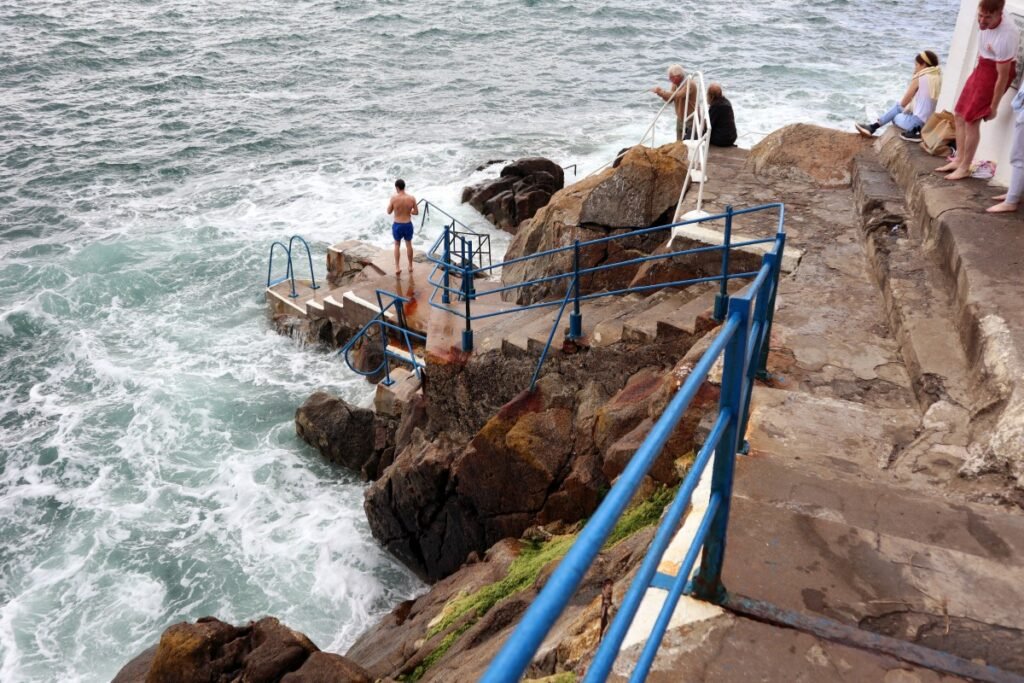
point(290, 269)
point(449, 256)
point(458, 228)
point(384, 327)
point(743, 339)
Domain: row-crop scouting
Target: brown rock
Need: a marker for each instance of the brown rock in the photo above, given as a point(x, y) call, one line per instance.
point(326, 667)
point(341, 432)
point(213, 651)
point(691, 266)
point(135, 671)
point(640, 193)
point(275, 651)
point(627, 408)
point(200, 652)
point(524, 187)
point(804, 152)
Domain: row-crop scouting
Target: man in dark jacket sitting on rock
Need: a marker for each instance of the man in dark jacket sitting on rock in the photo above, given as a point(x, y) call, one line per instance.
point(723, 124)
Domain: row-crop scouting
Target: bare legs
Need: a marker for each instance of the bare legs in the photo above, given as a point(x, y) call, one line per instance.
point(1011, 200)
point(965, 155)
point(958, 122)
point(398, 256)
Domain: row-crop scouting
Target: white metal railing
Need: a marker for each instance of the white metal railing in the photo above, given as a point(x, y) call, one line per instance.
point(697, 138)
point(698, 125)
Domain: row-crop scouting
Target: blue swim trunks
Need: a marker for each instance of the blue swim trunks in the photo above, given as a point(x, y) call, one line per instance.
point(402, 231)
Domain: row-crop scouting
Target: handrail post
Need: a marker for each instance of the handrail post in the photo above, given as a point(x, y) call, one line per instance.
point(762, 361)
point(708, 582)
point(387, 381)
point(291, 273)
point(445, 297)
point(471, 291)
point(722, 298)
point(575, 319)
point(467, 274)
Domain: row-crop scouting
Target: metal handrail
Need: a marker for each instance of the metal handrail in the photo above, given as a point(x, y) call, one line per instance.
point(742, 338)
point(309, 256)
point(290, 269)
point(483, 240)
point(551, 336)
point(444, 262)
point(380, 322)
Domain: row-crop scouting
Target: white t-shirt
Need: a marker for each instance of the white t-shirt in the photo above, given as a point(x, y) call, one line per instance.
point(1000, 43)
point(924, 105)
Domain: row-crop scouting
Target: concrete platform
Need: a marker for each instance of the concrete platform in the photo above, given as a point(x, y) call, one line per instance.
point(731, 649)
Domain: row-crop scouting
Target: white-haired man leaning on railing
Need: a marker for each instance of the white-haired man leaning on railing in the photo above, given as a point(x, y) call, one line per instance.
point(683, 95)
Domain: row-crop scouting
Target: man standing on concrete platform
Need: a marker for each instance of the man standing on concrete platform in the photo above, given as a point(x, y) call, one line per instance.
point(979, 100)
point(684, 97)
point(403, 205)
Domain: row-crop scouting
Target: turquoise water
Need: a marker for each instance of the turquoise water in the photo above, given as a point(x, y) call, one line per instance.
point(149, 471)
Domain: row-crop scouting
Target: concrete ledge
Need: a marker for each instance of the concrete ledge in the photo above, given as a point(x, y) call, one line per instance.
point(982, 256)
point(711, 237)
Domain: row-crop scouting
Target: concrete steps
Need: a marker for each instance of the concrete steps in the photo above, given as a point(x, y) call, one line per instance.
point(881, 558)
point(731, 649)
point(913, 286)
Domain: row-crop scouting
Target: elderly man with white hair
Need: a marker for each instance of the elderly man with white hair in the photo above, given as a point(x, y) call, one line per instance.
point(684, 98)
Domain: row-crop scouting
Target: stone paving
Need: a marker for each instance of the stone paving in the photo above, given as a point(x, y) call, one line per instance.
point(828, 517)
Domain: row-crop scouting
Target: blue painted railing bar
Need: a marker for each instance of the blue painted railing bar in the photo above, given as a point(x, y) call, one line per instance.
point(741, 340)
point(381, 323)
point(721, 301)
point(515, 656)
point(633, 233)
point(290, 268)
point(551, 336)
point(619, 627)
point(604, 294)
point(467, 274)
point(643, 664)
point(483, 240)
point(618, 264)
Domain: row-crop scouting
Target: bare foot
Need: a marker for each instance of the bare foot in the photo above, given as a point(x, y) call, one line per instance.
point(958, 175)
point(1000, 198)
point(1002, 207)
point(398, 272)
point(951, 166)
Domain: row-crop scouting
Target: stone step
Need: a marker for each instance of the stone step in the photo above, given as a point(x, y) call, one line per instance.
point(731, 649)
point(677, 314)
point(391, 400)
point(822, 434)
point(879, 557)
point(913, 287)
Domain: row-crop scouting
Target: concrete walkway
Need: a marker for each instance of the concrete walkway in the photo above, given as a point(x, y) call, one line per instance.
point(850, 506)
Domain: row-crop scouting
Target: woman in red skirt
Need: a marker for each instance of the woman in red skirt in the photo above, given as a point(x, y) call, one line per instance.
point(998, 41)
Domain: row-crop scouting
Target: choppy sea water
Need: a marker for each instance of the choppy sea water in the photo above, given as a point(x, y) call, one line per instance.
point(149, 154)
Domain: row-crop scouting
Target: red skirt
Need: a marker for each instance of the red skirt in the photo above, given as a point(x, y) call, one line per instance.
point(975, 100)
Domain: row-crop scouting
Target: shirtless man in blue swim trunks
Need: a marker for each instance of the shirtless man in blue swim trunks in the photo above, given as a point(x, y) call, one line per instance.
point(403, 205)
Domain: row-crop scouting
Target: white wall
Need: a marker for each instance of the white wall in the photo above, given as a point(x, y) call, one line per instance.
point(963, 55)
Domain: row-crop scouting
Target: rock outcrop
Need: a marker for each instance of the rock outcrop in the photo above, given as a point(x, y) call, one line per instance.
point(560, 447)
point(454, 630)
point(525, 186)
point(356, 438)
point(807, 153)
point(641, 192)
point(265, 651)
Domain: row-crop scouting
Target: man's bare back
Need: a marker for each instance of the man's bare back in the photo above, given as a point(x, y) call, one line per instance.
point(403, 205)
